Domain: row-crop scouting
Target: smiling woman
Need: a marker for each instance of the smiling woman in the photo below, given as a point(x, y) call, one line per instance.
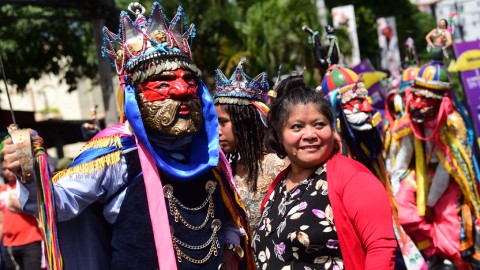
point(308, 141)
point(318, 212)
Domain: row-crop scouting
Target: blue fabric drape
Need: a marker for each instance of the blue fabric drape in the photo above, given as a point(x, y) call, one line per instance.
point(204, 153)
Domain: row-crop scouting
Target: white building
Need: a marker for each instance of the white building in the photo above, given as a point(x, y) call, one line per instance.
point(468, 17)
point(466, 21)
point(49, 98)
point(424, 5)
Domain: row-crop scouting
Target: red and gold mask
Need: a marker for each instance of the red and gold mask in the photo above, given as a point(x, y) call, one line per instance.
point(169, 103)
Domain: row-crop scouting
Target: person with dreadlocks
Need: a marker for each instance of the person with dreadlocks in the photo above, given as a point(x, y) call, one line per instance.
point(153, 192)
point(438, 200)
point(242, 125)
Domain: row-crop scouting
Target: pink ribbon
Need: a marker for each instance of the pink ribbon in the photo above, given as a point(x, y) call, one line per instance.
point(225, 166)
point(157, 209)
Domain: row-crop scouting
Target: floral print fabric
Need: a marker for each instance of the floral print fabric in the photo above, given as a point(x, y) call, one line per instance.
point(271, 166)
point(297, 230)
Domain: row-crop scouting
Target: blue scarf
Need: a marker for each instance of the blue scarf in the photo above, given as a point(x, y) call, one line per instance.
point(204, 152)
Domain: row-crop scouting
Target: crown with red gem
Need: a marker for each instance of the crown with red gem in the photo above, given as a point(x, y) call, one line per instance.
point(145, 47)
point(240, 88)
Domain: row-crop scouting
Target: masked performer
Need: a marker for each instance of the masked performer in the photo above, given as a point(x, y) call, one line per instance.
point(397, 125)
point(158, 181)
point(438, 196)
point(355, 119)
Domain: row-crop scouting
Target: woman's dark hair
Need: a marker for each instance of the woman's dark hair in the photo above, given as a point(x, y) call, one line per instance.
point(249, 132)
point(290, 93)
point(445, 20)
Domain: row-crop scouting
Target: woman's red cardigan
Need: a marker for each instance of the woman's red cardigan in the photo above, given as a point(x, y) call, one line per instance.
point(362, 214)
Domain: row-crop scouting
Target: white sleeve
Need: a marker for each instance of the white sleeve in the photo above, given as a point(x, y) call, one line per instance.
point(440, 182)
point(402, 161)
point(27, 196)
point(73, 193)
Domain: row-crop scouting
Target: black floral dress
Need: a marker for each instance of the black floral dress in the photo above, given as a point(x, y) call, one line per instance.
point(297, 229)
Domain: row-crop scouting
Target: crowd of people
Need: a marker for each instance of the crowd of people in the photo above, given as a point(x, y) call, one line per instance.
point(187, 180)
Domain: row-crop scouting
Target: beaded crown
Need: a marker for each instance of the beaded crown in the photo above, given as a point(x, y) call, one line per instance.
point(149, 46)
point(240, 88)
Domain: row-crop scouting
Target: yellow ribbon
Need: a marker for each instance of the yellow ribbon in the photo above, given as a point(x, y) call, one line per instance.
point(421, 177)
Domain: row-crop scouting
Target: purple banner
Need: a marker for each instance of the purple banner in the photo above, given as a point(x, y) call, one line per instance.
point(364, 66)
point(377, 94)
point(468, 63)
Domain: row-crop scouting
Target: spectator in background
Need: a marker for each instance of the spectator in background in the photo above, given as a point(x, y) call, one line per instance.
point(21, 234)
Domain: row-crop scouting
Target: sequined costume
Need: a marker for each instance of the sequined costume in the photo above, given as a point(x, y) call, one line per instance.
point(438, 40)
point(440, 174)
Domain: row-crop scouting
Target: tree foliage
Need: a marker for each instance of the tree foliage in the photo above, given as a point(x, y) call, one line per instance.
point(37, 40)
point(268, 33)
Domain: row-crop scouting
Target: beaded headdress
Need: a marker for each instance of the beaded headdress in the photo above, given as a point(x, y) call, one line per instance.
point(240, 88)
point(432, 81)
point(353, 90)
point(146, 47)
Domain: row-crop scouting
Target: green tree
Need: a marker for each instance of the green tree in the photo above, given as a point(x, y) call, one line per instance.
point(268, 33)
point(36, 40)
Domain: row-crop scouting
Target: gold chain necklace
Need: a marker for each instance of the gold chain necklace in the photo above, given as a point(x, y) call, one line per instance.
point(213, 242)
point(173, 202)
